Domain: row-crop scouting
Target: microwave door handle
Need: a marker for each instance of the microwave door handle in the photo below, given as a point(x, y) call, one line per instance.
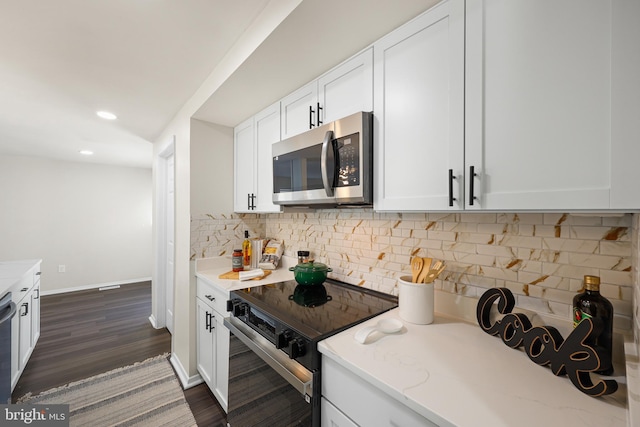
point(326, 145)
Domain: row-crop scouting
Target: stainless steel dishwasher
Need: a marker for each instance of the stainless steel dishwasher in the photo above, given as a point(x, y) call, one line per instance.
point(7, 311)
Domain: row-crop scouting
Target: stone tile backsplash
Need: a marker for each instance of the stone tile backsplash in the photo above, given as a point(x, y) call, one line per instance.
point(540, 257)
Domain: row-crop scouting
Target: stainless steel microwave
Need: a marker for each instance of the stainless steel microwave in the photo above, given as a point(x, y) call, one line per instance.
point(331, 165)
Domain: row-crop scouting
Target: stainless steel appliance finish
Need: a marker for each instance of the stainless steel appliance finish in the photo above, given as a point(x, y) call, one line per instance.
point(279, 326)
point(7, 311)
point(330, 165)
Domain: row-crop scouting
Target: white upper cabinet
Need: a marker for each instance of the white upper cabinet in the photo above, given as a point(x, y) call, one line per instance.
point(532, 105)
point(244, 166)
point(267, 129)
point(253, 163)
point(540, 101)
point(419, 113)
point(344, 90)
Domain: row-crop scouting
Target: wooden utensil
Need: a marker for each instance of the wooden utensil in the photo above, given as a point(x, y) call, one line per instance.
point(434, 271)
point(417, 264)
point(425, 269)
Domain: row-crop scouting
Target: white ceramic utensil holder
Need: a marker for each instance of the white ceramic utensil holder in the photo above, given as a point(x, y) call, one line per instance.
point(415, 301)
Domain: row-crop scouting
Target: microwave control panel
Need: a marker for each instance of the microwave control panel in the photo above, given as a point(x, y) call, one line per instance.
point(348, 155)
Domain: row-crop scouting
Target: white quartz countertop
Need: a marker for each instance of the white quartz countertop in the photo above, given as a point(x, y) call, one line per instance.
point(12, 271)
point(210, 269)
point(455, 374)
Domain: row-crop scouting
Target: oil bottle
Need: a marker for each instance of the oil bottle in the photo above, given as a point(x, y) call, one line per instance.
point(590, 304)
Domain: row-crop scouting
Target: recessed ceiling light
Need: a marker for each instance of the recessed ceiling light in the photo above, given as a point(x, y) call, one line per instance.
point(86, 152)
point(106, 115)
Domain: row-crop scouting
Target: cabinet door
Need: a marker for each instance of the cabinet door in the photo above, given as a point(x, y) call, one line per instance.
point(538, 103)
point(24, 317)
point(35, 315)
point(330, 416)
point(244, 166)
point(205, 344)
point(221, 390)
point(267, 131)
point(419, 115)
point(299, 110)
point(347, 88)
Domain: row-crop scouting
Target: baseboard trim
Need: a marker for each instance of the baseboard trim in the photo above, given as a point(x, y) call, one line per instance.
point(94, 286)
point(185, 379)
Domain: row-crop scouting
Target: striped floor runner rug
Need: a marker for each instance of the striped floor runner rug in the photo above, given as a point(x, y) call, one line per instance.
point(144, 394)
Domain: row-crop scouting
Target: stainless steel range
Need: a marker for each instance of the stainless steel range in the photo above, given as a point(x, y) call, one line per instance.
point(274, 363)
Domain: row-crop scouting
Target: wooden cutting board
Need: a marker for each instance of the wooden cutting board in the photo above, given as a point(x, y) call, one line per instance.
point(235, 275)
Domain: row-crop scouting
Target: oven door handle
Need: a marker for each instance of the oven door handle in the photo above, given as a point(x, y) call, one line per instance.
point(271, 358)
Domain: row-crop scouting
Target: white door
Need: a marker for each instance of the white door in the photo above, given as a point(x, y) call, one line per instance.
point(538, 103)
point(347, 88)
point(170, 236)
point(419, 112)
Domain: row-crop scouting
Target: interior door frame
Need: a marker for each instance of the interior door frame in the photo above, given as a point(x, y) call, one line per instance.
point(158, 316)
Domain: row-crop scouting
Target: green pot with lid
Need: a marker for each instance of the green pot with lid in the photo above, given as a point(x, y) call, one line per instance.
point(310, 273)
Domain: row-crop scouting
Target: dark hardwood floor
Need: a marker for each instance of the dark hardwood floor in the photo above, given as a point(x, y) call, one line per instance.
point(86, 333)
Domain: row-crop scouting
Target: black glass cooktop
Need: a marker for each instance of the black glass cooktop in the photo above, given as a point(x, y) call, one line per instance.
point(316, 311)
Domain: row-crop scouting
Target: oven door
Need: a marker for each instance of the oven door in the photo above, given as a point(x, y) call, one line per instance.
point(265, 386)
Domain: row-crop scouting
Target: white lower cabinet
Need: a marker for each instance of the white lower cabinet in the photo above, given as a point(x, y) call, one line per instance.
point(330, 416)
point(348, 400)
point(213, 340)
point(25, 325)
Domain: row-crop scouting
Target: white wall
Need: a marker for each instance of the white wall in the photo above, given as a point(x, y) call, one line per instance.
point(179, 130)
point(94, 219)
point(211, 168)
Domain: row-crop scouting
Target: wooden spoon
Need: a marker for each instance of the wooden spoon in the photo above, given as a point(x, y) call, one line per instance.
point(417, 264)
point(425, 269)
point(434, 272)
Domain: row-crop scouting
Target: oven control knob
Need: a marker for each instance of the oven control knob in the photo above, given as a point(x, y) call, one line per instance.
point(283, 338)
point(297, 348)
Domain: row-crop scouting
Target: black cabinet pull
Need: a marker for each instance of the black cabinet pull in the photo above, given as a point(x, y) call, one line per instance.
point(37, 290)
point(251, 201)
point(318, 108)
point(210, 298)
point(26, 309)
point(451, 178)
point(207, 321)
point(311, 116)
point(212, 322)
point(472, 174)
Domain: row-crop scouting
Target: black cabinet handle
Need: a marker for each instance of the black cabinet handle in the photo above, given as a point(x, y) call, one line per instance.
point(26, 309)
point(251, 199)
point(37, 293)
point(212, 322)
point(311, 116)
point(318, 108)
point(210, 298)
point(207, 325)
point(451, 178)
point(472, 174)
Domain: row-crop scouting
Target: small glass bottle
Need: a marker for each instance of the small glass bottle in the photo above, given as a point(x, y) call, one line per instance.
point(590, 304)
point(236, 260)
point(303, 256)
point(246, 251)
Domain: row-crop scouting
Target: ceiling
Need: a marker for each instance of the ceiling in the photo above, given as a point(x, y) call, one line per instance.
point(61, 61)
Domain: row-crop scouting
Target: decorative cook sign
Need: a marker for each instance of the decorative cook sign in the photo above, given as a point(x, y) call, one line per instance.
point(544, 345)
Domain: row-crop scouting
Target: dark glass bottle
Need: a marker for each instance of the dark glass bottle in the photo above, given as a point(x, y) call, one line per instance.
point(590, 304)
